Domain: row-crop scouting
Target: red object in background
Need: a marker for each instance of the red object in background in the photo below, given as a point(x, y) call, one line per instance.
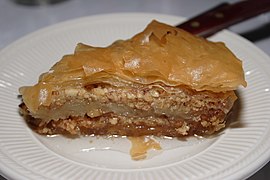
point(224, 15)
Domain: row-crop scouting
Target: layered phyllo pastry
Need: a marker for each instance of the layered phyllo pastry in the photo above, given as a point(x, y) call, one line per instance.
point(163, 81)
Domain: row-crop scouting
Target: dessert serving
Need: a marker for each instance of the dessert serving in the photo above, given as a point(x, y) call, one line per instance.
point(163, 81)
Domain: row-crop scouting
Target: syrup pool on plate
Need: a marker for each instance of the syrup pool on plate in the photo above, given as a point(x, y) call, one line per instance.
point(115, 152)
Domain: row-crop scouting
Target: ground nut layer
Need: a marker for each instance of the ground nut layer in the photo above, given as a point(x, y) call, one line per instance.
point(103, 109)
point(111, 124)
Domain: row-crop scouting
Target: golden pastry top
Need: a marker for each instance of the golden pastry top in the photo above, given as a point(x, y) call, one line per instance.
point(161, 53)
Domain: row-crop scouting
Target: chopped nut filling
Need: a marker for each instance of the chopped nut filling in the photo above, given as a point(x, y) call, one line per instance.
point(150, 110)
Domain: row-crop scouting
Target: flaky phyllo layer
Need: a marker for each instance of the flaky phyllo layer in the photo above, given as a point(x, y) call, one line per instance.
point(162, 73)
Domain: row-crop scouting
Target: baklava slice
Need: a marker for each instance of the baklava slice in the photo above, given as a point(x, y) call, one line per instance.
point(163, 81)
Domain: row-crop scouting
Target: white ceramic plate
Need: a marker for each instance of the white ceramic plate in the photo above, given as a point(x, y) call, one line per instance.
point(238, 152)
